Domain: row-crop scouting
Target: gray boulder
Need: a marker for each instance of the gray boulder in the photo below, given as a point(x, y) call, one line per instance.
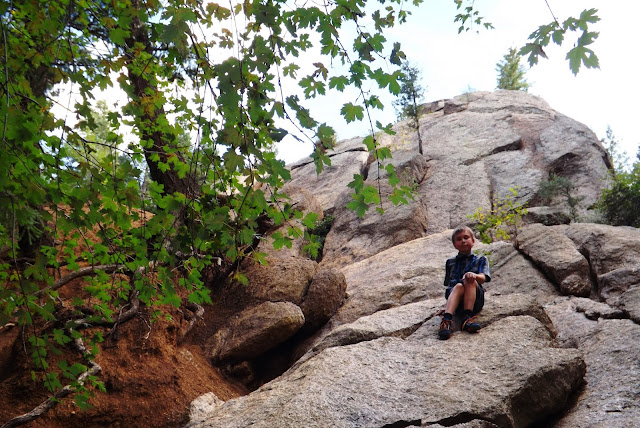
point(611, 352)
point(392, 381)
point(255, 330)
point(324, 297)
point(557, 256)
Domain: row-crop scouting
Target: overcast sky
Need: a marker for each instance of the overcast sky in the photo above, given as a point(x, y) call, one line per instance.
point(452, 63)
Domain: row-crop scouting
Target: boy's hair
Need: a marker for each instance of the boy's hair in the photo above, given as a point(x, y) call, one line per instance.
point(460, 229)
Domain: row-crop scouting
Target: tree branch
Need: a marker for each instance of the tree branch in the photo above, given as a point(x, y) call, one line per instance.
point(89, 270)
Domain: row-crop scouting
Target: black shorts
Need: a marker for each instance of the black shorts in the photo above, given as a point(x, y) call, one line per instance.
point(477, 306)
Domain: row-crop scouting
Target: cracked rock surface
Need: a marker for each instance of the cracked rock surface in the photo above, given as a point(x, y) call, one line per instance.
point(559, 340)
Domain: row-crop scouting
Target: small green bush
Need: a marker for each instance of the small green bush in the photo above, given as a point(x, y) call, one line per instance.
point(620, 203)
point(502, 221)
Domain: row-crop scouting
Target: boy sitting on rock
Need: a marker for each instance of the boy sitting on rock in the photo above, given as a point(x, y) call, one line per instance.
point(464, 276)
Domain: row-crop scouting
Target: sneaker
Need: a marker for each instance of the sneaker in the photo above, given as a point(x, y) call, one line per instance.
point(470, 325)
point(446, 328)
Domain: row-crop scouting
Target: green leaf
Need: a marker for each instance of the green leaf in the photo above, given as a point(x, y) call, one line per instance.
point(352, 112)
point(338, 82)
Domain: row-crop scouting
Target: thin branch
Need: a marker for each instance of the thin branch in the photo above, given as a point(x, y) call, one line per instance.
point(50, 402)
point(554, 17)
point(89, 270)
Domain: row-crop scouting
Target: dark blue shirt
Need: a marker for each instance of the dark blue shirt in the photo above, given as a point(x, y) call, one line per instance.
point(457, 266)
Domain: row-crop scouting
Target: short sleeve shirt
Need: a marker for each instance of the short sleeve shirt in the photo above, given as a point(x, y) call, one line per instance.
point(457, 266)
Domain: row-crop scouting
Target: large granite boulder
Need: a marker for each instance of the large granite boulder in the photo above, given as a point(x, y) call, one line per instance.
point(475, 149)
point(325, 295)
point(515, 374)
point(557, 256)
point(255, 330)
point(348, 158)
point(377, 361)
point(611, 352)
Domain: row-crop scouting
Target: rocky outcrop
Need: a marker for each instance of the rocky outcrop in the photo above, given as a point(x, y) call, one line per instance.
point(390, 381)
point(558, 344)
point(475, 149)
point(256, 330)
point(557, 256)
point(611, 353)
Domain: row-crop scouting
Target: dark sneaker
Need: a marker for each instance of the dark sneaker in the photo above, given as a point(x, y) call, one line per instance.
point(470, 325)
point(446, 328)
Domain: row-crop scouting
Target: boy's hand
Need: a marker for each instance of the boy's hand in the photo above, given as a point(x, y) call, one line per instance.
point(469, 277)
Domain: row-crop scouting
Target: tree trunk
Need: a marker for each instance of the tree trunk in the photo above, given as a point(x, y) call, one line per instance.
point(153, 140)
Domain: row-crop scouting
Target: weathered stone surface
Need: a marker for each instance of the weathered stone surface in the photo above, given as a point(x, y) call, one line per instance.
point(403, 320)
point(395, 322)
point(204, 405)
point(557, 257)
point(630, 302)
point(404, 274)
point(325, 295)
point(377, 361)
point(390, 380)
point(511, 273)
point(609, 249)
point(281, 279)
point(615, 282)
point(349, 157)
point(488, 141)
point(611, 352)
point(498, 307)
point(549, 216)
point(256, 330)
point(352, 239)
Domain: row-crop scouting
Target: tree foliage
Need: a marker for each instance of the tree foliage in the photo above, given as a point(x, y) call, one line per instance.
point(511, 72)
point(580, 54)
point(411, 94)
point(619, 158)
point(502, 221)
point(557, 185)
point(203, 95)
point(619, 203)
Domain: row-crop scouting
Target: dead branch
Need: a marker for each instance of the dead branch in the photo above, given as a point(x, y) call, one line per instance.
point(134, 307)
point(198, 314)
point(50, 402)
point(89, 270)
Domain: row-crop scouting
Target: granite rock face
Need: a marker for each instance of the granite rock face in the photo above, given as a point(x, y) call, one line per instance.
point(558, 345)
point(390, 380)
point(476, 148)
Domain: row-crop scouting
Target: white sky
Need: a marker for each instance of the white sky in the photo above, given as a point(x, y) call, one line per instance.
point(452, 63)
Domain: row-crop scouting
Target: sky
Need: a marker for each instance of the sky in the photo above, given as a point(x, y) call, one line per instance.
point(453, 63)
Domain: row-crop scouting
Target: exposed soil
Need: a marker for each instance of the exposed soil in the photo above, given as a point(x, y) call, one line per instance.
point(150, 371)
point(149, 378)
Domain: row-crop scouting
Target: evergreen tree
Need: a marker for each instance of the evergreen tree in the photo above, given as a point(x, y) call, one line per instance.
point(511, 73)
point(409, 98)
point(619, 158)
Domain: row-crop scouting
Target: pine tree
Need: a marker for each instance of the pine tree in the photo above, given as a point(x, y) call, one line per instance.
point(409, 98)
point(511, 73)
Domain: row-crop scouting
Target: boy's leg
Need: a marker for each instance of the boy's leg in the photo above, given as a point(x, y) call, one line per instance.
point(453, 295)
point(470, 310)
point(470, 288)
point(456, 295)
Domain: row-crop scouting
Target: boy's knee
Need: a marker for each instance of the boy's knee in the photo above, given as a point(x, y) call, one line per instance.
point(470, 284)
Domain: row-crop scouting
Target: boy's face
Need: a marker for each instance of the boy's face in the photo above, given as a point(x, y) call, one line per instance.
point(463, 241)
